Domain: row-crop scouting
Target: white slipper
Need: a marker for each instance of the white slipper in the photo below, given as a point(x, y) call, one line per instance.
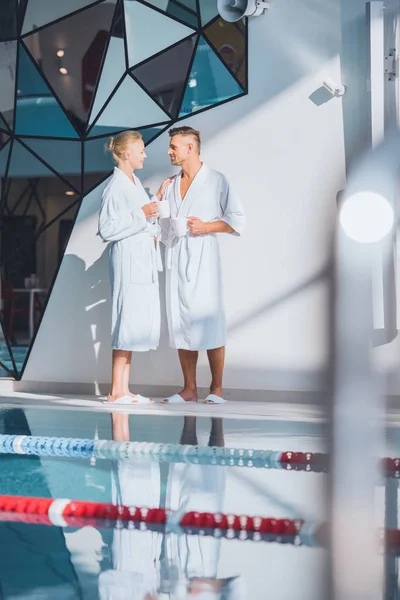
point(213, 399)
point(138, 399)
point(174, 399)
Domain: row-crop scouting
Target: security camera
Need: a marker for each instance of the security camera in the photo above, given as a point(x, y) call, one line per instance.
point(234, 10)
point(336, 89)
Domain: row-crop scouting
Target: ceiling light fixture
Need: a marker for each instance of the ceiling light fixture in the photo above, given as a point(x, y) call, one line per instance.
point(60, 55)
point(69, 193)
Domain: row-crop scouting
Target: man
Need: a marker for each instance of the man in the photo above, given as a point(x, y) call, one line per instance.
point(201, 200)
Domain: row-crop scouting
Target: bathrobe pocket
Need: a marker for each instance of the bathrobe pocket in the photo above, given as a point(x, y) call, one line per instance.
point(141, 265)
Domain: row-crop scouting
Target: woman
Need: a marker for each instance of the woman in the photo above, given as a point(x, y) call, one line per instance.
point(127, 219)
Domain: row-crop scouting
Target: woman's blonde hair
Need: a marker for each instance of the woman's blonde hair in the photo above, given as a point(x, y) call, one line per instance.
point(119, 144)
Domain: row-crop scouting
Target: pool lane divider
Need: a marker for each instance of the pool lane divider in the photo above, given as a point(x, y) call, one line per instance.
point(63, 512)
point(170, 453)
point(289, 460)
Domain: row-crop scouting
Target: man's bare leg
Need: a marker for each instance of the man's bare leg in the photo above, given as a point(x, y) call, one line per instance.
point(188, 360)
point(189, 433)
point(121, 365)
point(217, 433)
point(216, 358)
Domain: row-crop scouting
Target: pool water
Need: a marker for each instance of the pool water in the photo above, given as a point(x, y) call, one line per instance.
point(51, 562)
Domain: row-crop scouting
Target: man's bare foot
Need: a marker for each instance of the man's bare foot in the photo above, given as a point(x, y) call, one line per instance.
point(189, 395)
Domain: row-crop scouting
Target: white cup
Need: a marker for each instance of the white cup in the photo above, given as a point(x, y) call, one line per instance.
point(164, 210)
point(180, 226)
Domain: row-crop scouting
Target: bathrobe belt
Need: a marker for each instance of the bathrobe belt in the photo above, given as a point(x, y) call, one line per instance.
point(174, 240)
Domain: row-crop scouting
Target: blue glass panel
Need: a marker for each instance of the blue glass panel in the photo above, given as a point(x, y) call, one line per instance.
point(229, 40)
point(63, 156)
point(185, 10)
point(209, 82)
point(38, 112)
point(73, 75)
point(29, 81)
point(5, 359)
point(208, 10)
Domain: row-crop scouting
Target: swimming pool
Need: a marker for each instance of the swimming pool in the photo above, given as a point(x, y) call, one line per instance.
point(134, 561)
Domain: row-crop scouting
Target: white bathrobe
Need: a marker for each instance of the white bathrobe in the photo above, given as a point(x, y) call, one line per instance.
point(135, 554)
point(134, 264)
point(198, 488)
point(194, 293)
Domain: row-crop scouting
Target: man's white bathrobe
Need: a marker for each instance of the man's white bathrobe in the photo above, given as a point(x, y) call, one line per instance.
point(134, 264)
point(194, 294)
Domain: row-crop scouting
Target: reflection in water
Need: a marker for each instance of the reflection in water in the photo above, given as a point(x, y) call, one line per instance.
point(150, 565)
point(41, 551)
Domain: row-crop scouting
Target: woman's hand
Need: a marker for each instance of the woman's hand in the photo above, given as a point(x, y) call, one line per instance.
point(150, 210)
point(163, 187)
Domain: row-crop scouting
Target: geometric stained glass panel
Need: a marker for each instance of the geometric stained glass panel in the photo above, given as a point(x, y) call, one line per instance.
point(229, 41)
point(35, 199)
point(4, 138)
point(130, 107)
point(64, 156)
point(38, 112)
point(140, 22)
point(123, 64)
point(113, 69)
point(6, 362)
point(42, 12)
point(209, 83)
point(8, 68)
point(4, 152)
point(208, 10)
point(184, 10)
point(81, 62)
point(164, 76)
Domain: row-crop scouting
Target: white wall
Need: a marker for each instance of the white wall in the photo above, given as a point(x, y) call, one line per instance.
point(282, 148)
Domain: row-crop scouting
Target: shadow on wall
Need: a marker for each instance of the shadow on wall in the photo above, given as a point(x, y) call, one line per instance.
point(89, 311)
point(275, 302)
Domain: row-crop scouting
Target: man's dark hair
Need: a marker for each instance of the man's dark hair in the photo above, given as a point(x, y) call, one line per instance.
point(187, 132)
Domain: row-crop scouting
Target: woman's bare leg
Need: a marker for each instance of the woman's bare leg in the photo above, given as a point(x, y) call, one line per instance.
point(120, 427)
point(121, 366)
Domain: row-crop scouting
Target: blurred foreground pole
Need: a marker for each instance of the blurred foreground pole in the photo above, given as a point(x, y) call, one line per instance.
point(365, 227)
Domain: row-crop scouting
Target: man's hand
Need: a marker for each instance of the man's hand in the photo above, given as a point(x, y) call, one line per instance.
point(150, 210)
point(197, 226)
point(163, 187)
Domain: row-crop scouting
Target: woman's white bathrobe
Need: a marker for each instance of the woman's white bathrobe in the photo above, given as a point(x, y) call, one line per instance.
point(134, 264)
point(194, 293)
